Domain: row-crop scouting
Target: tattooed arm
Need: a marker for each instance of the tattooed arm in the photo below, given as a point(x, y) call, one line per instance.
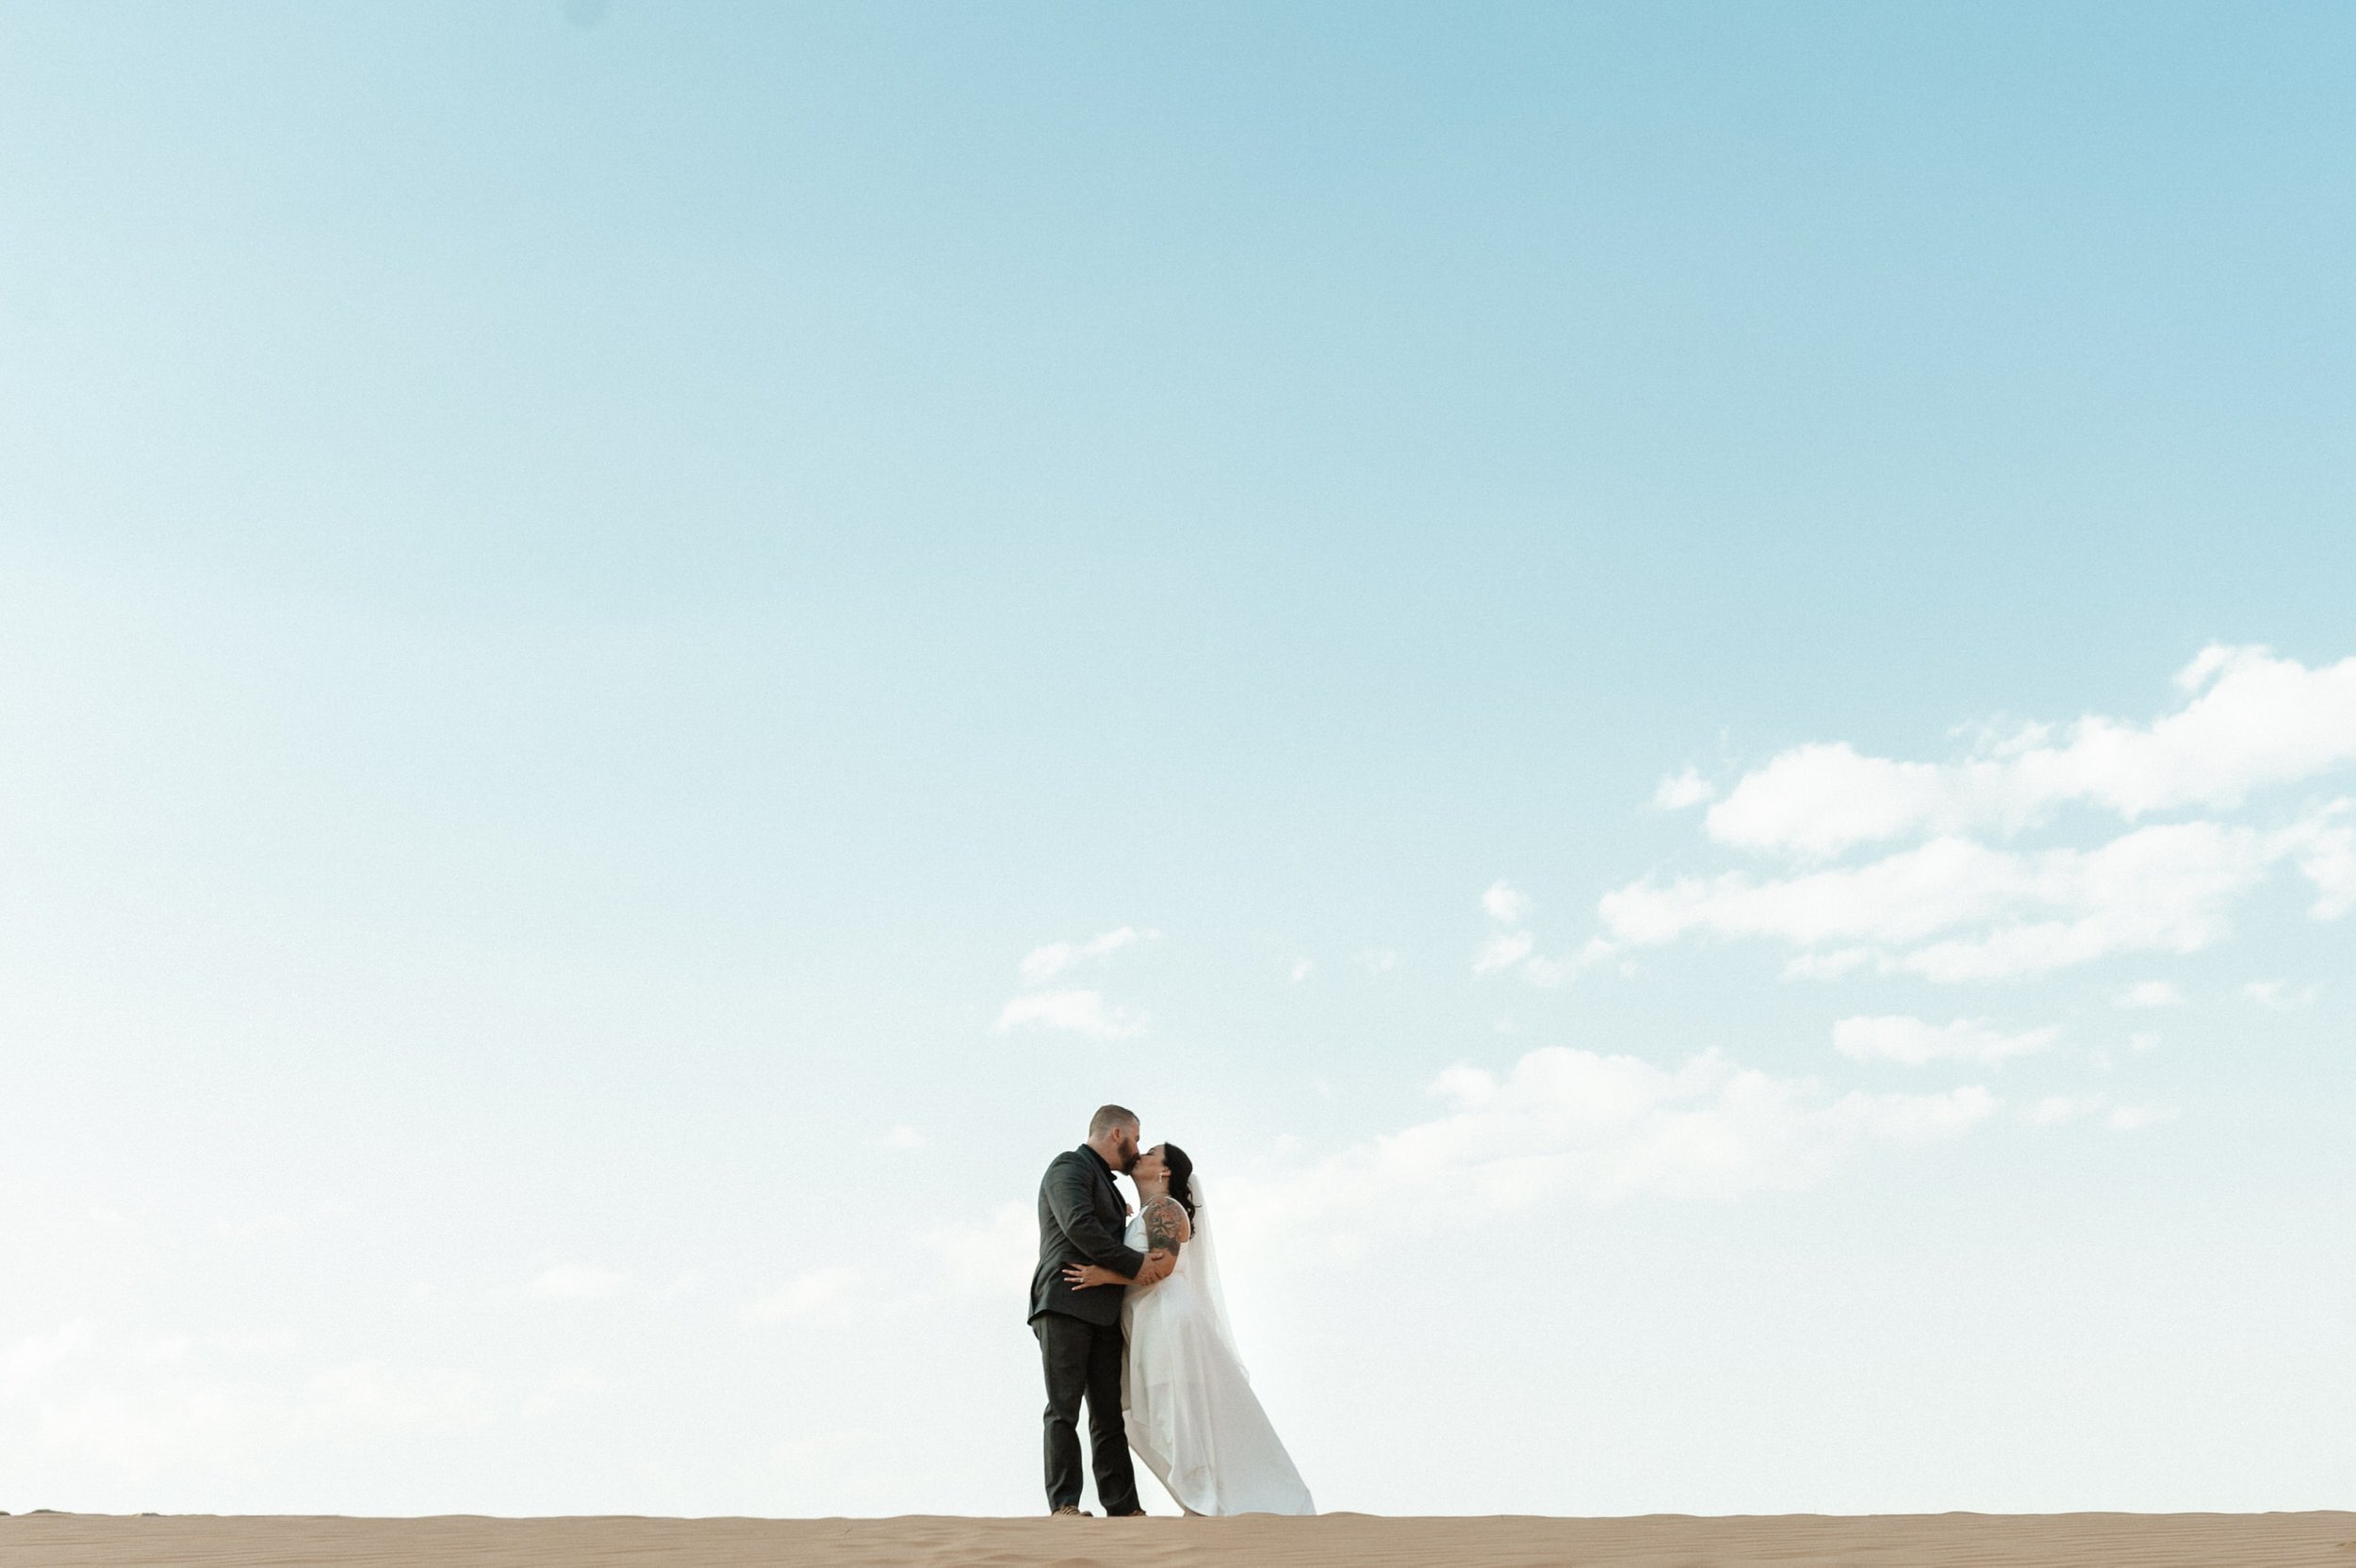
point(1167, 1229)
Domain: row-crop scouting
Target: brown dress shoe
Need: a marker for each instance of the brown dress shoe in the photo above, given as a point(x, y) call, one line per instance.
point(1074, 1511)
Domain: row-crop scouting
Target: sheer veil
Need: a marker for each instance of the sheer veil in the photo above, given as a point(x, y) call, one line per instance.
point(1199, 1258)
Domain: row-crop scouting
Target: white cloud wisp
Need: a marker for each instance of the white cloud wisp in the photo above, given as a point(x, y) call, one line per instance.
point(1080, 1012)
point(818, 1292)
point(1915, 1043)
point(1076, 1010)
point(1600, 1130)
point(1042, 964)
point(2250, 720)
point(1953, 910)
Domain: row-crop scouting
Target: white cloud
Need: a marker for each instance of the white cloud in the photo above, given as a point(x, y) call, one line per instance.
point(136, 1407)
point(1303, 969)
point(2149, 993)
point(573, 1282)
point(1827, 966)
point(2279, 994)
point(905, 1136)
point(1822, 798)
point(1469, 1087)
point(993, 1258)
point(1903, 897)
point(1516, 949)
point(2053, 1109)
point(1379, 960)
point(2143, 1040)
point(1502, 952)
point(2249, 721)
point(1679, 790)
point(2327, 855)
point(1044, 963)
point(1571, 1125)
point(1546, 973)
point(1504, 905)
point(816, 1293)
point(1896, 1038)
point(1081, 1012)
point(2130, 1118)
point(31, 1360)
point(1953, 910)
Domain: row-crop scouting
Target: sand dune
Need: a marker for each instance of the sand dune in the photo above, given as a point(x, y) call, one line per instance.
point(1660, 1541)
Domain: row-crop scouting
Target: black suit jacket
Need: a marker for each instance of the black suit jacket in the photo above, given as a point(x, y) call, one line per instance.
point(1081, 1219)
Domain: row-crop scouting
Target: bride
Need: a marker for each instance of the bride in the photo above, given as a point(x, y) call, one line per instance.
point(1183, 1393)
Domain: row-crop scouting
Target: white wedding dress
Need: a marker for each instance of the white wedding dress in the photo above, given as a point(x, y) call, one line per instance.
point(1189, 1404)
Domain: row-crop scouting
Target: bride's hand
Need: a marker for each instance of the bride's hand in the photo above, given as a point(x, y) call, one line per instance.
point(1086, 1276)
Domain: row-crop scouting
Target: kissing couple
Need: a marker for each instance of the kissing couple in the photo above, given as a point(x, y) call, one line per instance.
point(1129, 1315)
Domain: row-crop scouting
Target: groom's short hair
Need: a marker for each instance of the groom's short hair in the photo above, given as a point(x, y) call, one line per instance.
point(1110, 1117)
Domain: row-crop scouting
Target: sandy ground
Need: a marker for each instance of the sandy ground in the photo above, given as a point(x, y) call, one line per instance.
point(1660, 1541)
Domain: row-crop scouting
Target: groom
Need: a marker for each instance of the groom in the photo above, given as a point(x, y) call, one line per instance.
point(1082, 1219)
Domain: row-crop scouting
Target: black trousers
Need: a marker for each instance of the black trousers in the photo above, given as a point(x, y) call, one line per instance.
point(1084, 1359)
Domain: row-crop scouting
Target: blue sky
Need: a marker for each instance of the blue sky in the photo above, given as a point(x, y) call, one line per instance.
point(581, 587)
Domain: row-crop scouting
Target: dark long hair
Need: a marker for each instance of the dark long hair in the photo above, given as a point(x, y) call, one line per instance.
point(1181, 1176)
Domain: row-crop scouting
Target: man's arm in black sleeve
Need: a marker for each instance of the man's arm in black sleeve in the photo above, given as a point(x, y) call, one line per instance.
point(1069, 1189)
